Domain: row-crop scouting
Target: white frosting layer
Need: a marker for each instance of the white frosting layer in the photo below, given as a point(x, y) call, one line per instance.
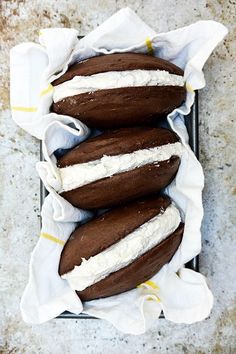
point(81, 174)
point(125, 251)
point(115, 79)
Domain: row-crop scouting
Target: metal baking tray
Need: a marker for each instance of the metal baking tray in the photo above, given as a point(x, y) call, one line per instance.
point(191, 122)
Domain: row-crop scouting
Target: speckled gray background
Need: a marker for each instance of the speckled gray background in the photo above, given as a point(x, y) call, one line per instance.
point(19, 192)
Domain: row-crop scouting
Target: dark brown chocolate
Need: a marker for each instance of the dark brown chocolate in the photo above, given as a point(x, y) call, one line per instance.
point(125, 186)
point(117, 62)
point(142, 269)
point(117, 142)
point(100, 233)
point(122, 107)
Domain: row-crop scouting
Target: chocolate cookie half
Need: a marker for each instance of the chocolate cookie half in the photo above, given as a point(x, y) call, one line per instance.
point(122, 248)
point(119, 166)
point(119, 90)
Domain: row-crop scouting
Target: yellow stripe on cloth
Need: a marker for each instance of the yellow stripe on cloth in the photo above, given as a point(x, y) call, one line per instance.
point(189, 88)
point(151, 292)
point(149, 46)
point(47, 90)
point(52, 238)
point(40, 33)
point(24, 109)
point(150, 283)
point(155, 298)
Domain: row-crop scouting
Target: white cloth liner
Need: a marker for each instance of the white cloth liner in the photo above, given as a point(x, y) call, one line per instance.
point(184, 296)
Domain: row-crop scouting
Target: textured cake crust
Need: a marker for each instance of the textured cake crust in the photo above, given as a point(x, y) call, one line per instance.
point(122, 107)
point(125, 186)
point(100, 233)
point(117, 142)
point(142, 269)
point(117, 62)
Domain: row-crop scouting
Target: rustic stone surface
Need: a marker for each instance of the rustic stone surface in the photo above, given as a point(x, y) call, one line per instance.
point(19, 194)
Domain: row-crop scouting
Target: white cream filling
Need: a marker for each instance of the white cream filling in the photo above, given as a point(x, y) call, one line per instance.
point(125, 251)
point(81, 174)
point(115, 79)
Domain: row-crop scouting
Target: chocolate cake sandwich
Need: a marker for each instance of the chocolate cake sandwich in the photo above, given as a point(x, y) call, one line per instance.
point(122, 248)
point(119, 90)
point(119, 166)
